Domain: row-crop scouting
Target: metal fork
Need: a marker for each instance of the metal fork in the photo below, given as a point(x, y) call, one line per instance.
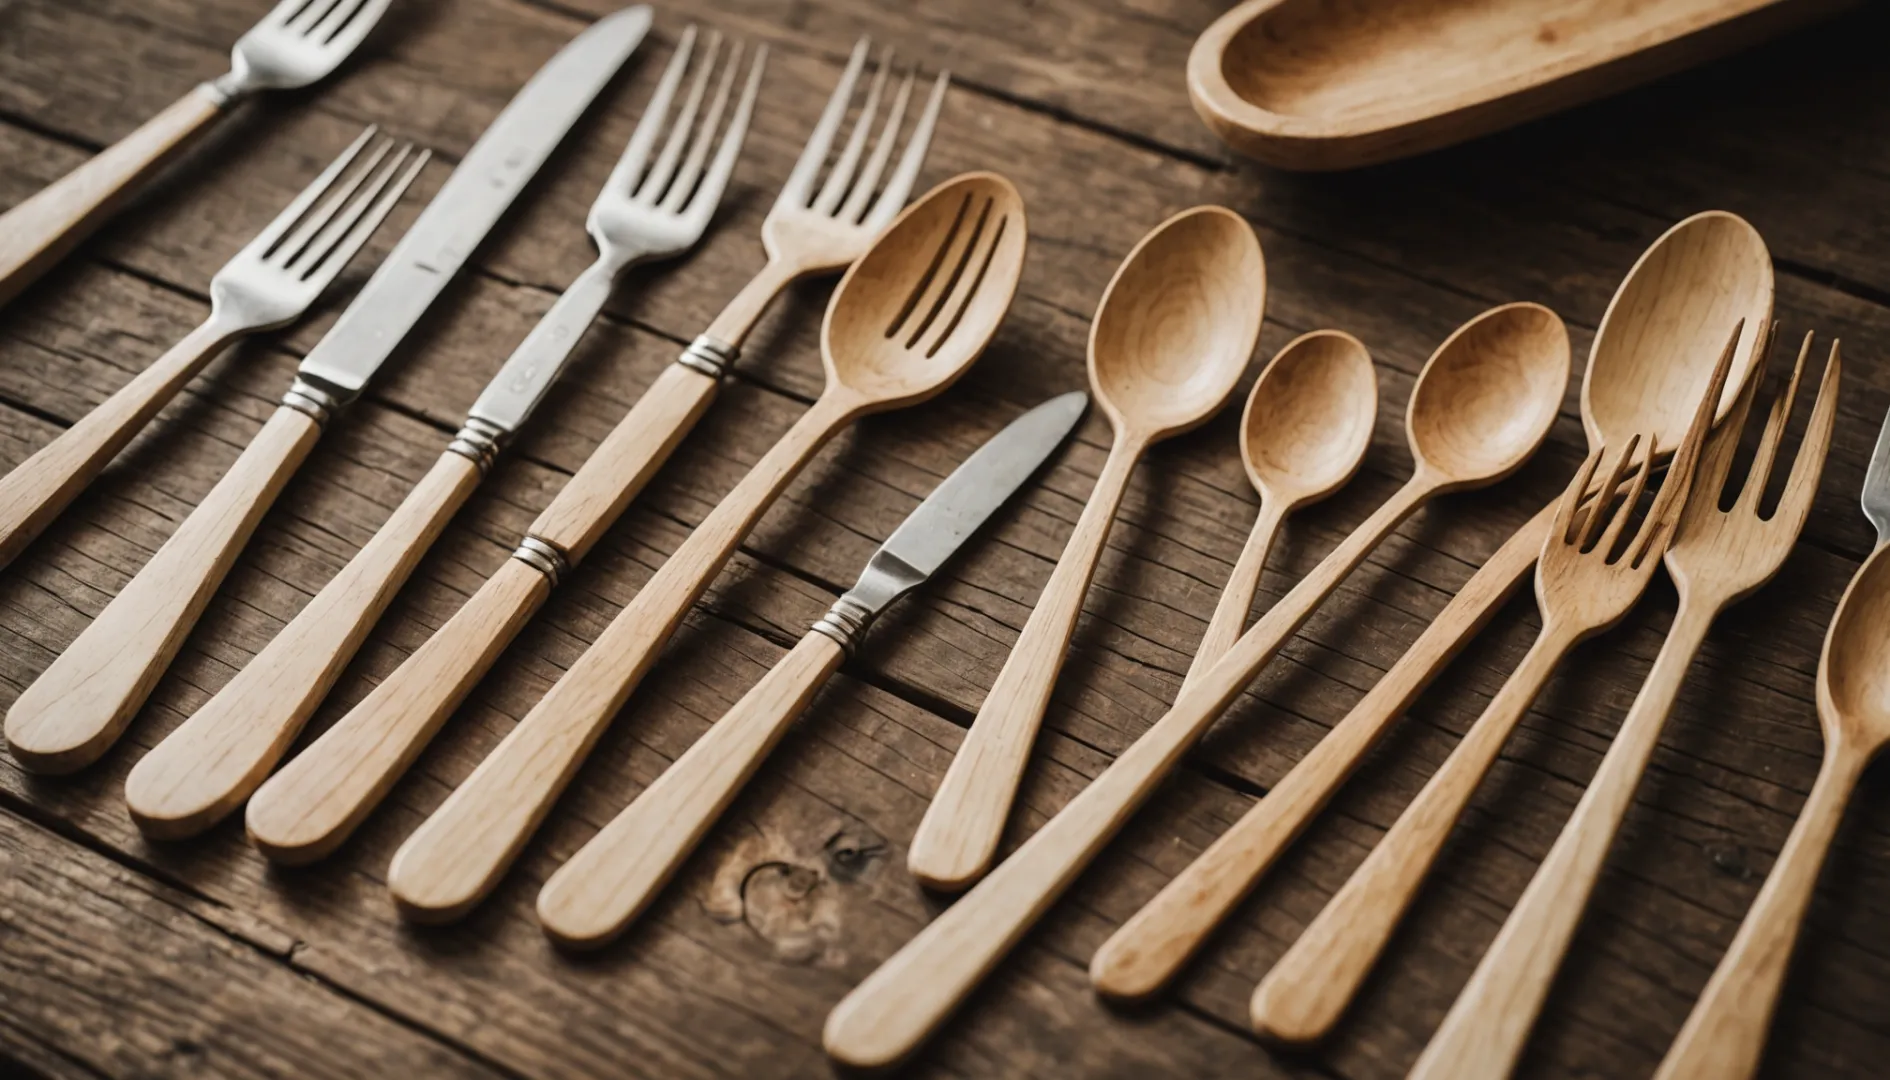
point(297, 43)
point(1590, 574)
point(318, 799)
point(1717, 558)
point(270, 283)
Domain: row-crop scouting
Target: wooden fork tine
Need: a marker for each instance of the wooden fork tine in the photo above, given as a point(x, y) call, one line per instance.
point(1612, 538)
point(1802, 484)
point(868, 181)
point(1723, 444)
point(1680, 474)
point(1604, 495)
point(1775, 422)
point(841, 174)
point(1564, 527)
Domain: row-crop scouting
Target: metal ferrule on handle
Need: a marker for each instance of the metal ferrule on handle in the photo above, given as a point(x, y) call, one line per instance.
point(709, 356)
point(313, 401)
point(887, 578)
point(543, 558)
point(479, 442)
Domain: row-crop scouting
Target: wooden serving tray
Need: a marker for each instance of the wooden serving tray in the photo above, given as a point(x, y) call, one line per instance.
point(1333, 84)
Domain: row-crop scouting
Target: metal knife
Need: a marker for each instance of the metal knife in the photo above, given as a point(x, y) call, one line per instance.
point(79, 705)
point(596, 895)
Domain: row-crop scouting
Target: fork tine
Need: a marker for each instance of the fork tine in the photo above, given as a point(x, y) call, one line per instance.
point(623, 175)
point(868, 180)
point(304, 18)
point(710, 193)
point(800, 182)
point(367, 14)
point(1577, 491)
point(332, 262)
point(1759, 477)
point(337, 18)
point(1611, 539)
point(266, 240)
point(900, 186)
point(1795, 503)
point(691, 171)
point(1680, 474)
point(842, 172)
point(291, 249)
point(654, 184)
point(1723, 444)
point(346, 210)
point(1604, 496)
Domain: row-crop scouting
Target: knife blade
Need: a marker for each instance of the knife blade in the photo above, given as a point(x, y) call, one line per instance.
point(469, 203)
point(941, 524)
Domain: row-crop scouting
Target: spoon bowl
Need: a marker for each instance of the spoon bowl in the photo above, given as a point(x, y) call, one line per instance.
point(1487, 396)
point(1309, 418)
point(913, 313)
point(1854, 692)
point(1657, 343)
point(1178, 323)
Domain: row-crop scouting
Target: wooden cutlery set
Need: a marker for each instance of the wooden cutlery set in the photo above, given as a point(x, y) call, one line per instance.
point(1670, 386)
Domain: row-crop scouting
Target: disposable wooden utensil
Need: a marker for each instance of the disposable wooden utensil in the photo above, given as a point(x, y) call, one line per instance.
point(320, 797)
point(1724, 1036)
point(1717, 558)
point(1587, 579)
point(1174, 331)
point(1304, 433)
point(1481, 406)
point(1652, 354)
point(906, 321)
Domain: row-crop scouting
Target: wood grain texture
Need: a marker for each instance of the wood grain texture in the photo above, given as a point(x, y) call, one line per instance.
point(206, 768)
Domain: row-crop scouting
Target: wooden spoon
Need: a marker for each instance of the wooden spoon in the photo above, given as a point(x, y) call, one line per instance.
point(1303, 436)
point(1175, 329)
point(1653, 353)
point(905, 322)
point(1481, 406)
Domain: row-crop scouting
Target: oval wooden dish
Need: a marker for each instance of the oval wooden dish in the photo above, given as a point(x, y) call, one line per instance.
point(1334, 84)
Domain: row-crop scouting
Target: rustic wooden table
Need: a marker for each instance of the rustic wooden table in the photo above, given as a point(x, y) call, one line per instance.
point(123, 958)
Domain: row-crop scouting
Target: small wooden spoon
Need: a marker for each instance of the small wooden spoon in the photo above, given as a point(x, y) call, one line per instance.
point(1303, 436)
point(904, 323)
point(1482, 405)
point(1173, 333)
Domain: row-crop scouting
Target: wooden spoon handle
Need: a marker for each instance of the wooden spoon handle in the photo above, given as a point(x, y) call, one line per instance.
point(1230, 612)
point(1487, 1026)
point(322, 795)
point(1304, 994)
point(1724, 1036)
point(459, 853)
point(80, 704)
point(593, 897)
point(43, 485)
point(1149, 949)
point(42, 230)
point(958, 837)
point(211, 763)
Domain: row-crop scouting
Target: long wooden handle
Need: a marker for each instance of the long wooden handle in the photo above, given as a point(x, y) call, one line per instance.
point(459, 854)
point(900, 1005)
point(1230, 612)
point(1305, 993)
point(42, 486)
point(958, 837)
point(1724, 1036)
point(211, 763)
point(42, 230)
point(1488, 1025)
point(80, 705)
point(322, 795)
point(611, 879)
point(1148, 950)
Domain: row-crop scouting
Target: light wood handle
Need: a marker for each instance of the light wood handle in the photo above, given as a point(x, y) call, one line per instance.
point(1488, 1025)
point(900, 1005)
point(1230, 612)
point(731, 327)
point(607, 884)
point(42, 486)
point(1305, 993)
point(958, 837)
point(459, 854)
point(1148, 950)
point(613, 475)
point(1724, 1036)
point(322, 795)
point(80, 704)
point(211, 763)
point(42, 230)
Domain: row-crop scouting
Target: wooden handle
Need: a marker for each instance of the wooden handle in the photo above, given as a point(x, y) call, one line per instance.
point(731, 327)
point(1487, 1026)
point(900, 1005)
point(211, 763)
point(1148, 950)
point(1230, 612)
point(613, 475)
point(322, 795)
point(1304, 994)
point(1724, 1036)
point(43, 485)
point(80, 704)
point(42, 230)
point(458, 854)
point(959, 834)
point(592, 898)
